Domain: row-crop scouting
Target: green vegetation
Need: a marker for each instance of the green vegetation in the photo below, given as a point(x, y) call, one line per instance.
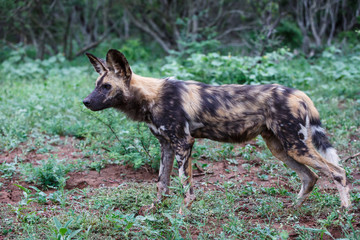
point(184, 27)
point(46, 134)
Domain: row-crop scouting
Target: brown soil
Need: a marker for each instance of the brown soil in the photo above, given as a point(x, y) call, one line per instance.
point(111, 175)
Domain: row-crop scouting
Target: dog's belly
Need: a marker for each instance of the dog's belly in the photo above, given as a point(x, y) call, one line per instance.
point(228, 131)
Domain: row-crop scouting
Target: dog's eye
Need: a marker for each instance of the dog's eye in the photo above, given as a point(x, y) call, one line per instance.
point(107, 86)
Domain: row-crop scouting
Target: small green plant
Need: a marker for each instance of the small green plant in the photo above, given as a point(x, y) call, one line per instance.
point(266, 232)
point(97, 166)
point(134, 142)
point(347, 225)
point(123, 221)
point(247, 151)
point(269, 207)
point(7, 170)
point(249, 189)
point(312, 233)
point(275, 191)
point(63, 232)
point(177, 224)
point(51, 174)
point(39, 195)
point(59, 197)
point(263, 177)
point(24, 212)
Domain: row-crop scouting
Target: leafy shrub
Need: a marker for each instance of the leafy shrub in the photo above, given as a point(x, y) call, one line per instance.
point(129, 141)
point(51, 174)
point(141, 147)
point(333, 67)
point(217, 69)
point(19, 66)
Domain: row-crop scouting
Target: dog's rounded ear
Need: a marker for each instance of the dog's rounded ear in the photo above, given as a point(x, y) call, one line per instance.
point(117, 63)
point(97, 63)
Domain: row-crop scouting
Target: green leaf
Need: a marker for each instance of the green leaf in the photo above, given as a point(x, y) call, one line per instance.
point(73, 234)
point(35, 188)
point(129, 225)
point(28, 191)
point(63, 231)
point(57, 223)
point(69, 222)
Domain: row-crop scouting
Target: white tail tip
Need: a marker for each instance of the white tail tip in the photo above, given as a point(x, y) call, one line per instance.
point(331, 155)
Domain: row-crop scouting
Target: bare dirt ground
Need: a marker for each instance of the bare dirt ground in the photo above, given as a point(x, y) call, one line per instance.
point(113, 175)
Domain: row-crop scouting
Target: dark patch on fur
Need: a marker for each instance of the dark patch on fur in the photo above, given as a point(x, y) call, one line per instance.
point(338, 179)
point(301, 136)
point(101, 80)
point(133, 106)
point(321, 141)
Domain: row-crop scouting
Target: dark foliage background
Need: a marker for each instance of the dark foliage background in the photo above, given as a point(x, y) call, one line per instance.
point(248, 27)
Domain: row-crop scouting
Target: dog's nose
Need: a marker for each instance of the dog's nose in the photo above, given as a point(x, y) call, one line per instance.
point(86, 102)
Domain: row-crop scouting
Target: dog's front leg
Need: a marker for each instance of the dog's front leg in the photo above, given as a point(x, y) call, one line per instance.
point(183, 149)
point(166, 165)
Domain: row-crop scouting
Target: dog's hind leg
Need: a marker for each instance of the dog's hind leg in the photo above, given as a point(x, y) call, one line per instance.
point(326, 150)
point(312, 158)
point(299, 146)
point(183, 149)
point(308, 177)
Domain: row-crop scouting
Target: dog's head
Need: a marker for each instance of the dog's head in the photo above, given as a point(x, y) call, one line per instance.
point(112, 86)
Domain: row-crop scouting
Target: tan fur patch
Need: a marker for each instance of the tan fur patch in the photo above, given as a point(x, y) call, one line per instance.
point(295, 107)
point(150, 88)
point(191, 100)
point(263, 97)
point(313, 113)
point(316, 161)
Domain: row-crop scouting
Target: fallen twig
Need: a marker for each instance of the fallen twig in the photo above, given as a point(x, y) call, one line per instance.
point(353, 156)
point(201, 174)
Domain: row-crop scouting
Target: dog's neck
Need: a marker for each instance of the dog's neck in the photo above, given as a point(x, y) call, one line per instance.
point(144, 93)
point(148, 88)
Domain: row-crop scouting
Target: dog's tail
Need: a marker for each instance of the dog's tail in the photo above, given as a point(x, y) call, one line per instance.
point(323, 145)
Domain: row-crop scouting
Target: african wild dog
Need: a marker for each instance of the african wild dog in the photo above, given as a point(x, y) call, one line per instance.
point(177, 112)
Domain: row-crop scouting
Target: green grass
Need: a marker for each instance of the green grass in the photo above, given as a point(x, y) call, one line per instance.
point(41, 115)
